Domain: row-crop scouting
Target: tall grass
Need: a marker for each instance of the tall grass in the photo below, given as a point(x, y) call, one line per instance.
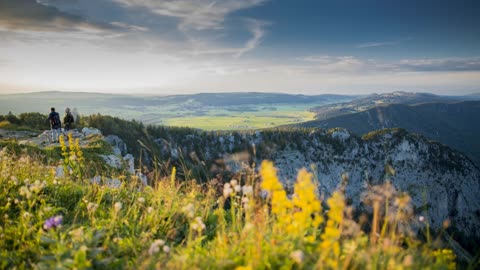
point(251, 223)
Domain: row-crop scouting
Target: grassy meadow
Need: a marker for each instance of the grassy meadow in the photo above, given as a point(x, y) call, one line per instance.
point(217, 118)
point(50, 222)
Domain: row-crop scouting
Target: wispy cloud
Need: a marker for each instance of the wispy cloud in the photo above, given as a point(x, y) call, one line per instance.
point(355, 64)
point(336, 63)
point(445, 64)
point(257, 31)
point(31, 15)
point(194, 14)
point(375, 44)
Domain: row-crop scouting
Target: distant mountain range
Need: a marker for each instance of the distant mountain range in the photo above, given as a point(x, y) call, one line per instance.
point(456, 124)
point(366, 102)
point(41, 101)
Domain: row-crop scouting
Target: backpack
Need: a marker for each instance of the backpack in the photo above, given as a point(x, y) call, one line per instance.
point(56, 120)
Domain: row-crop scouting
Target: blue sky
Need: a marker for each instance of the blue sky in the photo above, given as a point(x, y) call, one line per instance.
point(188, 46)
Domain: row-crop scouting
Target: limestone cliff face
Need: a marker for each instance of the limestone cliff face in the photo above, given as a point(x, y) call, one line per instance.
point(443, 183)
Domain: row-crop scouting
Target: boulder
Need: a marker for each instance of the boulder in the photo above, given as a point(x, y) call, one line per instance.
point(113, 161)
point(119, 146)
point(59, 172)
point(91, 131)
point(129, 159)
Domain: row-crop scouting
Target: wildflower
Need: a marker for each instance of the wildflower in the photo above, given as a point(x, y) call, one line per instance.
point(246, 190)
point(92, 207)
point(166, 249)
point(141, 200)
point(155, 246)
point(77, 234)
point(234, 182)
point(117, 207)
point(150, 209)
point(227, 190)
point(297, 256)
point(25, 192)
point(198, 225)
point(243, 267)
point(408, 261)
point(189, 210)
point(421, 218)
point(53, 222)
point(37, 186)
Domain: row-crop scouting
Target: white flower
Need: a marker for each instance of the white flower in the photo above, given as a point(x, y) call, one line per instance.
point(153, 249)
point(159, 242)
point(141, 200)
point(155, 246)
point(227, 191)
point(150, 209)
point(166, 249)
point(117, 206)
point(26, 215)
point(421, 218)
point(247, 190)
point(92, 207)
point(297, 256)
point(25, 192)
point(237, 188)
point(234, 182)
point(189, 210)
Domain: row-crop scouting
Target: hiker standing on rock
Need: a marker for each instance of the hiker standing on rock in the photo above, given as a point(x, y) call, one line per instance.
point(68, 120)
point(55, 124)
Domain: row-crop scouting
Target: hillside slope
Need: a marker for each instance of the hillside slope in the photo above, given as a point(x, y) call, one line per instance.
point(454, 124)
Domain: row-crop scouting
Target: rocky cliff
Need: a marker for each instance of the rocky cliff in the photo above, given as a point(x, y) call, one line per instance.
point(444, 184)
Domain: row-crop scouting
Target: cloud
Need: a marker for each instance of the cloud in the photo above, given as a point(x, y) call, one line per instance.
point(375, 44)
point(194, 14)
point(255, 27)
point(354, 64)
point(31, 15)
point(446, 64)
point(328, 63)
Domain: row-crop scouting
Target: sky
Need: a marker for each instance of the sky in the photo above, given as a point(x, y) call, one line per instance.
point(190, 46)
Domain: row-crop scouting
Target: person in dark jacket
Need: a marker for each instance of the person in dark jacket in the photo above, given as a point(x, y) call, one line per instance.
point(55, 124)
point(68, 120)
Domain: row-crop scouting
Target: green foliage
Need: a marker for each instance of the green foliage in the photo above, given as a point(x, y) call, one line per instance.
point(25, 122)
point(184, 225)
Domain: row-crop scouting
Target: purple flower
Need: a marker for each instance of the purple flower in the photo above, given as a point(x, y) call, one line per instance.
point(52, 222)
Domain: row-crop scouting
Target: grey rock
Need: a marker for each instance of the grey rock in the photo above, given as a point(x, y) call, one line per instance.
point(119, 146)
point(113, 161)
point(129, 159)
point(59, 172)
point(90, 131)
